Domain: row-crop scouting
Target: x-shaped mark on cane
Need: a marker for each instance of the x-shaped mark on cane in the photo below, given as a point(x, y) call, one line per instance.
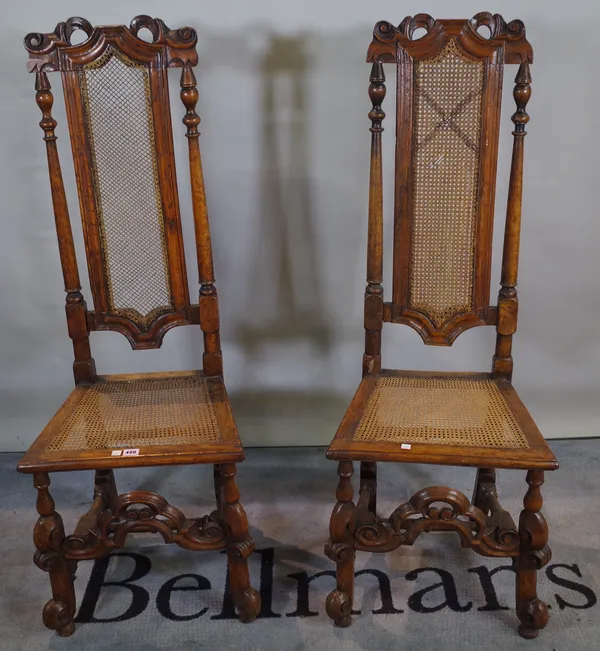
point(448, 120)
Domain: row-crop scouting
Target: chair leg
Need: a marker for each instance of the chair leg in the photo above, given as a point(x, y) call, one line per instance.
point(48, 537)
point(340, 548)
point(218, 480)
point(484, 476)
point(105, 485)
point(534, 553)
point(368, 479)
point(239, 543)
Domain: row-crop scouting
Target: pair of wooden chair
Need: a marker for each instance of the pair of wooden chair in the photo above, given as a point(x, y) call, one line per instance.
point(447, 124)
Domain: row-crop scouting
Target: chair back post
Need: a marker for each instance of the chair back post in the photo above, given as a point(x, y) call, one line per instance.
point(374, 289)
point(84, 368)
point(507, 297)
point(208, 303)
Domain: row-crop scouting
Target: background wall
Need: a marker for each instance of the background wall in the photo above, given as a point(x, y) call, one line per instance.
point(285, 147)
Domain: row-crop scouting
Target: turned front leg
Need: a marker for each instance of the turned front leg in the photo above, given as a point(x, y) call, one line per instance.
point(340, 547)
point(48, 536)
point(239, 543)
point(534, 553)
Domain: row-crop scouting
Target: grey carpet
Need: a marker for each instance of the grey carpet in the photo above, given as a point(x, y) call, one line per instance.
point(288, 494)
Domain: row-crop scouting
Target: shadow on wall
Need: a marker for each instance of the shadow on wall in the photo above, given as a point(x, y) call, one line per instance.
point(285, 264)
point(285, 314)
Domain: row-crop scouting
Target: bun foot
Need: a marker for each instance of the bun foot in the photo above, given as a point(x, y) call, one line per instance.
point(248, 605)
point(338, 607)
point(57, 616)
point(533, 619)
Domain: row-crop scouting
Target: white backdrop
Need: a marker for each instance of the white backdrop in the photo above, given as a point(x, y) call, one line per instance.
point(285, 148)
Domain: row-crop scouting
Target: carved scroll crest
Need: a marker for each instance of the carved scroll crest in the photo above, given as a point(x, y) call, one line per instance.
point(45, 49)
point(509, 35)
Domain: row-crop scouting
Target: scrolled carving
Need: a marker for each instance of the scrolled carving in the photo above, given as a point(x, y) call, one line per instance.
point(46, 561)
point(500, 525)
point(208, 527)
point(180, 44)
point(129, 505)
point(533, 616)
point(509, 35)
point(339, 607)
point(533, 528)
point(154, 25)
point(378, 536)
point(455, 504)
point(248, 604)
point(384, 31)
point(373, 532)
point(494, 22)
point(385, 36)
point(182, 38)
point(144, 513)
point(508, 538)
point(541, 557)
point(60, 37)
point(437, 508)
point(409, 25)
point(383, 46)
point(243, 549)
point(58, 616)
point(338, 551)
point(78, 544)
point(36, 42)
point(70, 26)
point(148, 512)
point(344, 516)
point(512, 33)
point(498, 27)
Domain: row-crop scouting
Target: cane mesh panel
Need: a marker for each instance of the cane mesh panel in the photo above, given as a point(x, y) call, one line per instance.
point(447, 126)
point(116, 93)
point(440, 411)
point(140, 413)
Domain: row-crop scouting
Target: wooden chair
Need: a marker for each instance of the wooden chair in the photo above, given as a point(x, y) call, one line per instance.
point(449, 85)
point(117, 100)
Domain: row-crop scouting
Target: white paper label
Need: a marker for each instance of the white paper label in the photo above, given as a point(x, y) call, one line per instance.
point(405, 446)
point(116, 453)
point(133, 452)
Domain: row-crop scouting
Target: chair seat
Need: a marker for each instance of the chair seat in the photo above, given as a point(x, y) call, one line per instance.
point(139, 420)
point(470, 419)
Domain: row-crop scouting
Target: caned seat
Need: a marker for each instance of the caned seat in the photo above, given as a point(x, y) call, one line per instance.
point(116, 94)
point(447, 125)
point(426, 417)
point(147, 416)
